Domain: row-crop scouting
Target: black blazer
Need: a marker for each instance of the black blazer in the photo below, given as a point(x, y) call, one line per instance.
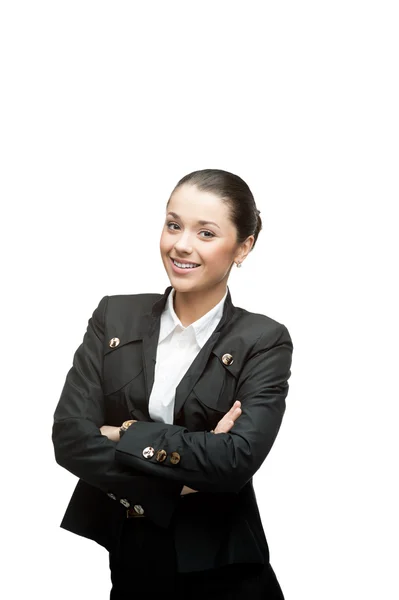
point(110, 383)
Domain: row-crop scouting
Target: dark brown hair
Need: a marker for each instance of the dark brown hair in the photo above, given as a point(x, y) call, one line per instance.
point(232, 190)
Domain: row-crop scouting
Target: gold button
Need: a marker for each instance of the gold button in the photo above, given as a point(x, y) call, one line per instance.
point(132, 513)
point(160, 455)
point(175, 458)
point(148, 452)
point(114, 342)
point(138, 509)
point(227, 359)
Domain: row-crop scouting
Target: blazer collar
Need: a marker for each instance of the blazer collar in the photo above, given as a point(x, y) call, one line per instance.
point(151, 328)
point(200, 327)
point(159, 306)
point(131, 327)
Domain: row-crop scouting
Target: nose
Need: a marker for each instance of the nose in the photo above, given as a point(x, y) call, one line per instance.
point(183, 244)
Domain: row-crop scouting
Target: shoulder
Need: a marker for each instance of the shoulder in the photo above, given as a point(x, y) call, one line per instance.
point(260, 320)
point(119, 308)
point(145, 300)
point(263, 330)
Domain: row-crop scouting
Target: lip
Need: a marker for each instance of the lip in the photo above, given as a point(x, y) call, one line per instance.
point(186, 262)
point(181, 270)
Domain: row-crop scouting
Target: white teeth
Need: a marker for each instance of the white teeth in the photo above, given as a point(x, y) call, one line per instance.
point(185, 265)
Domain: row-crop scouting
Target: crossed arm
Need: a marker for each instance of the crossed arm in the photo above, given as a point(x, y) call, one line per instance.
point(224, 426)
point(209, 463)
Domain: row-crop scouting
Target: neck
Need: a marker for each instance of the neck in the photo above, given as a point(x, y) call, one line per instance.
point(191, 306)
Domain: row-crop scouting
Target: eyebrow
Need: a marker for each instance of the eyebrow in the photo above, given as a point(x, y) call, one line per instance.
point(200, 222)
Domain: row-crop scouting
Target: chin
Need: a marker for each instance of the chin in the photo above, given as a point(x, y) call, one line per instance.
point(182, 286)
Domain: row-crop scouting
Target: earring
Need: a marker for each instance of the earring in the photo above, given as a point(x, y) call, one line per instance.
point(238, 265)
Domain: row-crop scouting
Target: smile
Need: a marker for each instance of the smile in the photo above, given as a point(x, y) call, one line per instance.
point(183, 269)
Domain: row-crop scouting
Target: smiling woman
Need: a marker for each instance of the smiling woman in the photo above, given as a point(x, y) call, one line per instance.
point(172, 404)
point(224, 203)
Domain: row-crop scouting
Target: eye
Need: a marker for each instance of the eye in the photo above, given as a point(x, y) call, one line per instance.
point(203, 231)
point(170, 223)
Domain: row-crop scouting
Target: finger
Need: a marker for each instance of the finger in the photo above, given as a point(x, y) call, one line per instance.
point(230, 418)
point(237, 404)
point(227, 422)
point(236, 413)
point(224, 426)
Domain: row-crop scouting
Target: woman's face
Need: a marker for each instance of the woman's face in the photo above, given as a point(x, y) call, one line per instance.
point(211, 245)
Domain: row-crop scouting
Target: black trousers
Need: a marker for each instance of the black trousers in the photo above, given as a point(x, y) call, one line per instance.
point(145, 565)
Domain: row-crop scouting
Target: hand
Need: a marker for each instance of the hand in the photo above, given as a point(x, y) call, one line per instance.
point(187, 490)
point(224, 426)
point(112, 433)
point(227, 422)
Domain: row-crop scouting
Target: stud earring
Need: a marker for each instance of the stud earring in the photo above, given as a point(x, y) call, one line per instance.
point(238, 265)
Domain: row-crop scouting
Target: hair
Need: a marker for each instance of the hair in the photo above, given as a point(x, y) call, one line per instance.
point(234, 192)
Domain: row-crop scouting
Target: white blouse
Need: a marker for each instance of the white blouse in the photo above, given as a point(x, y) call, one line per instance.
point(177, 348)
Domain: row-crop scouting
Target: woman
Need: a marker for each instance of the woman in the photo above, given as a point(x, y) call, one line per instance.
point(172, 404)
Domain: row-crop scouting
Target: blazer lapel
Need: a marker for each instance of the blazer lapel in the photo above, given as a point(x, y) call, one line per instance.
point(151, 328)
point(193, 373)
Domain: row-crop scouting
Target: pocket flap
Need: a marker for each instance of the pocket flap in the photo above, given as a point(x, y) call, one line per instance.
point(121, 366)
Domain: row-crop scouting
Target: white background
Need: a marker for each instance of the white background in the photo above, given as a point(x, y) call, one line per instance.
point(104, 106)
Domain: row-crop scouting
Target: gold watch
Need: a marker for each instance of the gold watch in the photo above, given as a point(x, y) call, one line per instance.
point(125, 426)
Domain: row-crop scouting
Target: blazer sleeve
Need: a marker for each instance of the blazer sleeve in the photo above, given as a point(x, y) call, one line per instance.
point(81, 448)
point(223, 462)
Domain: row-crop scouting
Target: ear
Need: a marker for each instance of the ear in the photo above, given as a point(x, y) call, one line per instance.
point(245, 249)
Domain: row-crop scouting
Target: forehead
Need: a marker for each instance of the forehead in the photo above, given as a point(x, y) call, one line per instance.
point(190, 202)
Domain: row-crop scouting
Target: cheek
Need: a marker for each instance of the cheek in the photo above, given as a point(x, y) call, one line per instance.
point(215, 261)
point(220, 255)
point(164, 243)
